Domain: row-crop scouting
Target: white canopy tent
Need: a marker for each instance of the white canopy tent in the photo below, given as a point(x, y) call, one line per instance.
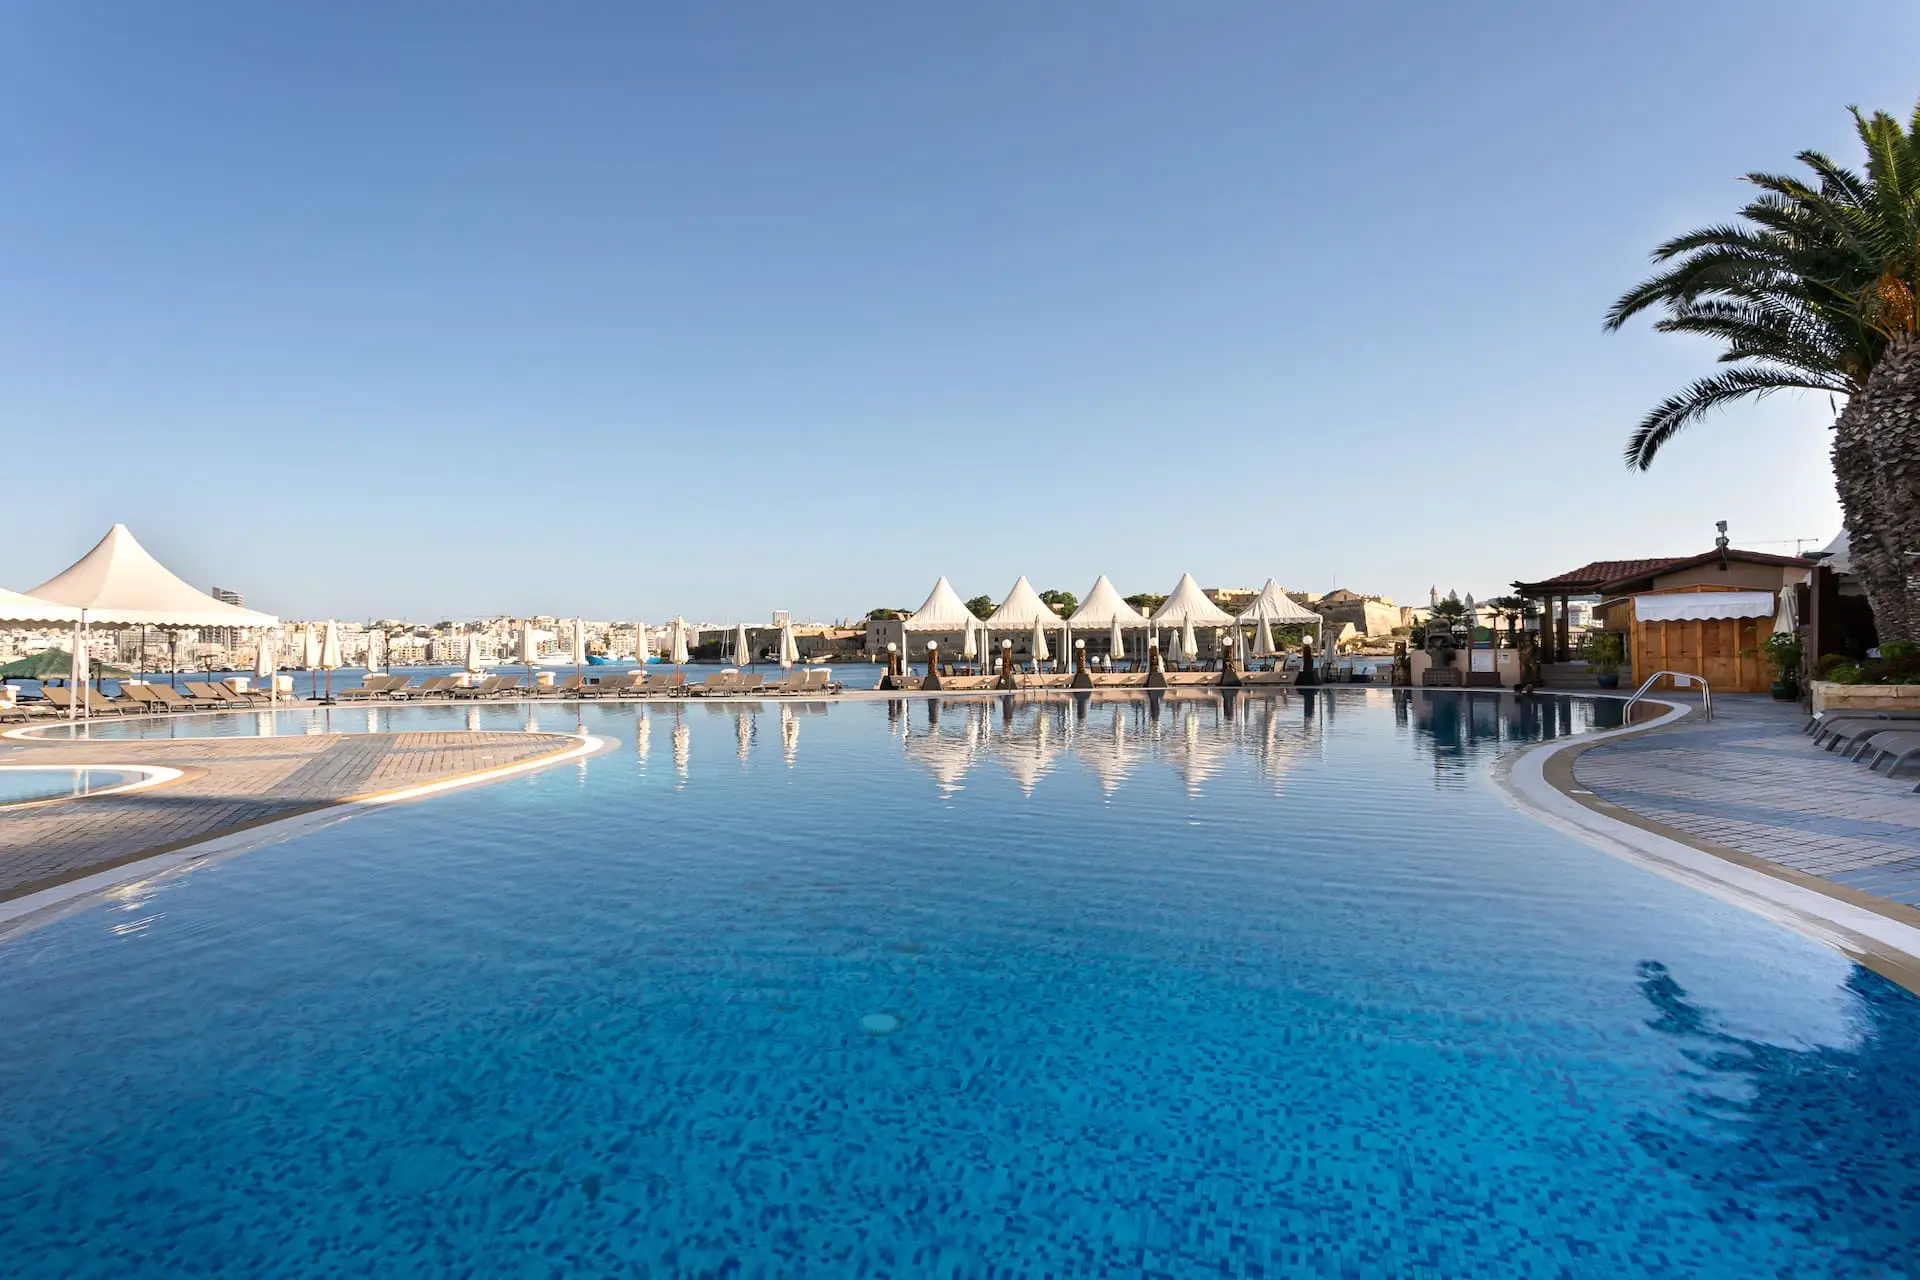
point(943, 611)
point(1188, 605)
point(1275, 605)
point(1024, 610)
point(17, 610)
point(119, 584)
point(1105, 607)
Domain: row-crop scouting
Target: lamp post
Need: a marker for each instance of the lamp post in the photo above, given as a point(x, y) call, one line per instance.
point(1006, 666)
point(933, 666)
point(1082, 679)
point(1229, 678)
point(888, 678)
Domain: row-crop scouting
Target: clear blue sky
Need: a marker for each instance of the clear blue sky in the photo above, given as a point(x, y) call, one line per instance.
point(633, 309)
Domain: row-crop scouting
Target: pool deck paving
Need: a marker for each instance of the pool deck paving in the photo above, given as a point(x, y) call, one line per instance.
point(1750, 781)
point(228, 785)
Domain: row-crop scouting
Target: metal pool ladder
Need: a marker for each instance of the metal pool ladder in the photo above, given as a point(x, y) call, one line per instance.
point(1681, 680)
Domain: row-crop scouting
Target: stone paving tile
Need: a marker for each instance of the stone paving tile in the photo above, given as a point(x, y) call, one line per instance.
point(233, 783)
point(1749, 779)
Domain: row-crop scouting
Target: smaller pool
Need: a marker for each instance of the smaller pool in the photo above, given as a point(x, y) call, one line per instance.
point(27, 784)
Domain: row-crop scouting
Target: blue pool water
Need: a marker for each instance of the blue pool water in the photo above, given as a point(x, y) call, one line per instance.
point(998, 989)
point(22, 785)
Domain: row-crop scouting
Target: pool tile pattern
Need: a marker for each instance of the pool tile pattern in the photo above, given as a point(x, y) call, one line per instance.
point(235, 783)
point(1750, 780)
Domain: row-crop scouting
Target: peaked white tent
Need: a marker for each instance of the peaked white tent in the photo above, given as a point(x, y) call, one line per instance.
point(119, 584)
point(1022, 610)
point(1189, 606)
point(1104, 607)
point(21, 610)
point(944, 610)
point(1274, 605)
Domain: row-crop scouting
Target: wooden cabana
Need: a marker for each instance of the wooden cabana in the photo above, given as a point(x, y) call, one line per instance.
point(1588, 580)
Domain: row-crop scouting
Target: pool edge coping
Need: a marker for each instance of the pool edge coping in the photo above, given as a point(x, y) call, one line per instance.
point(1875, 933)
point(44, 906)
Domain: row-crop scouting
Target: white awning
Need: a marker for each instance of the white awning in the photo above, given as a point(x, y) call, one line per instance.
point(1692, 606)
point(1103, 607)
point(1275, 605)
point(1189, 604)
point(1021, 609)
point(119, 583)
point(17, 610)
point(944, 611)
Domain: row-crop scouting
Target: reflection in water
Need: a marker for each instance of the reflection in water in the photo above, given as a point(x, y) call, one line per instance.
point(789, 734)
point(682, 746)
point(1778, 1121)
point(743, 733)
point(642, 736)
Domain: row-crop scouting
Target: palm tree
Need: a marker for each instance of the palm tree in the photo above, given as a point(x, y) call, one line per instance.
point(1813, 290)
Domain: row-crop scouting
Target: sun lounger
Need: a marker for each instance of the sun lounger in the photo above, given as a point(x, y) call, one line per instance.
point(1899, 746)
point(145, 698)
point(1826, 726)
point(720, 682)
point(247, 697)
point(214, 694)
point(163, 697)
point(437, 687)
point(487, 688)
point(567, 687)
point(750, 682)
point(370, 687)
point(613, 686)
point(1847, 733)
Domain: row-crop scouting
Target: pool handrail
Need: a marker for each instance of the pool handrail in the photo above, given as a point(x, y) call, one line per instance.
point(1681, 680)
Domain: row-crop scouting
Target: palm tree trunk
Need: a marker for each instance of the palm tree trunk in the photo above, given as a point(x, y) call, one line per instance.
point(1888, 418)
point(1863, 503)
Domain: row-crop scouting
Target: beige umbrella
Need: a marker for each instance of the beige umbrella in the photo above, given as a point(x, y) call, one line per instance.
point(330, 654)
point(640, 654)
point(529, 652)
point(789, 647)
point(473, 664)
point(265, 666)
point(742, 647)
point(1040, 651)
point(77, 700)
point(310, 648)
point(677, 643)
point(579, 648)
point(1189, 647)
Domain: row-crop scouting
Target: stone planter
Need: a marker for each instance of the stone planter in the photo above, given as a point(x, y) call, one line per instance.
point(1828, 696)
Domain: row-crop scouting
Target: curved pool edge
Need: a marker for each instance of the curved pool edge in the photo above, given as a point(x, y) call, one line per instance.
point(56, 902)
point(151, 775)
point(1538, 780)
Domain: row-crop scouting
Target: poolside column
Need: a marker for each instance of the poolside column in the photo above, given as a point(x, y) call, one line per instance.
point(933, 666)
point(1081, 678)
point(1006, 666)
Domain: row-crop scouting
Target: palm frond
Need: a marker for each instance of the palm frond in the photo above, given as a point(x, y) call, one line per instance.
point(1678, 412)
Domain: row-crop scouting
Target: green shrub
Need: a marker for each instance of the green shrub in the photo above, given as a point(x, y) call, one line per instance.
point(1845, 673)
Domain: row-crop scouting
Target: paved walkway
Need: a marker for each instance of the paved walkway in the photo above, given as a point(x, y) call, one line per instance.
point(230, 784)
point(1749, 780)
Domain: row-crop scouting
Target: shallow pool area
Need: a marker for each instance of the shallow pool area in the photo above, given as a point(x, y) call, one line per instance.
point(39, 783)
point(1033, 986)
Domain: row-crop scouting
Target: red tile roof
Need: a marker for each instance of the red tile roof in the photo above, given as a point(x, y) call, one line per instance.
point(1733, 554)
point(1591, 576)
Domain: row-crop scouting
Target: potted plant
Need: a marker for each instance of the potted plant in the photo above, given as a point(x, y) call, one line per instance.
point(1603, 656)
point(1782, 653)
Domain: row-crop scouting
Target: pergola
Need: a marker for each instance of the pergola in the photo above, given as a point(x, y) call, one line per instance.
point(1587, 580)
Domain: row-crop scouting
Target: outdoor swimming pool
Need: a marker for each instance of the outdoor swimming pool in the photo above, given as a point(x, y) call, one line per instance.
point(23, 785)
point(1275, 987)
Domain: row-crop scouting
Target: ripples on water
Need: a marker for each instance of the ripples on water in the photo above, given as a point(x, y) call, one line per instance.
point(1010, 987)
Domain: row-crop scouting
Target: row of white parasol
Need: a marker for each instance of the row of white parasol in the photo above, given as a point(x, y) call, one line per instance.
point(1185, 609)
